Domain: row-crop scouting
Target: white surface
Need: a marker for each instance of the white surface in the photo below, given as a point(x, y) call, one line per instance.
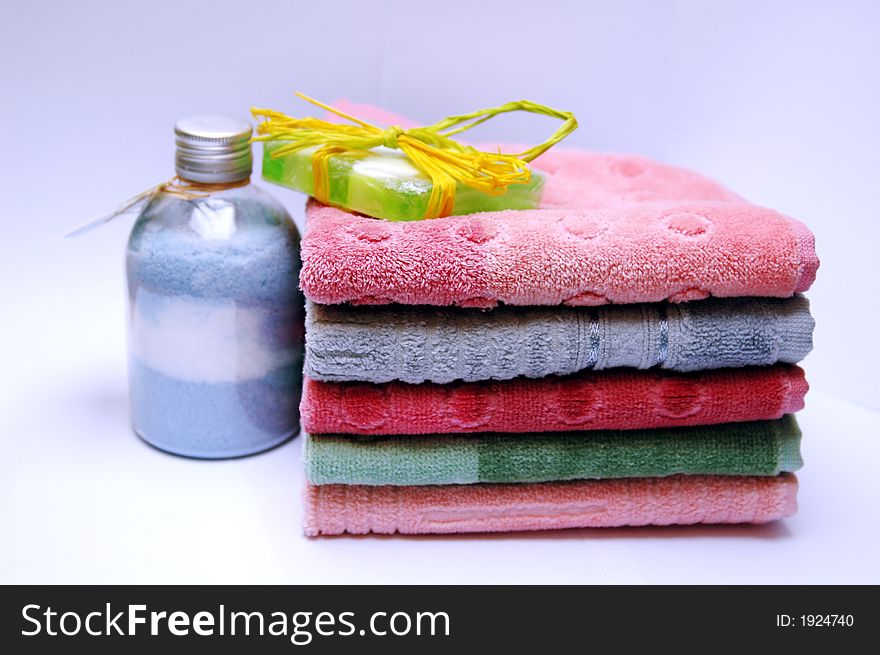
point(776, 99)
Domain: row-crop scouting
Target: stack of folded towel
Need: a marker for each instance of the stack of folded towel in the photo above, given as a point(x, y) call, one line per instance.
point(624, 355)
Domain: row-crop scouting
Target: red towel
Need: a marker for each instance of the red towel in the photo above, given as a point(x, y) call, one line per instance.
point(620, 399)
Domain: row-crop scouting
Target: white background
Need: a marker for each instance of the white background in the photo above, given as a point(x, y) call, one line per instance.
point(777, 100)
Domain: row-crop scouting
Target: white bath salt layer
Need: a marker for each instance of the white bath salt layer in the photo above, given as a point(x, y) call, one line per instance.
point(181, 336)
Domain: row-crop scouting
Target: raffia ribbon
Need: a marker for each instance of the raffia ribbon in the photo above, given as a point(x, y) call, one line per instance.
point(177, 187)
point(431, 149)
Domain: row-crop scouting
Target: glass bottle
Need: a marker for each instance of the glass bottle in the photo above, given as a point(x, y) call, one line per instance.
point(215, 315)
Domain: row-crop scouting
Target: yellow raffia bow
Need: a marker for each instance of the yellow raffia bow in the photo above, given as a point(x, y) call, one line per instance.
point(430, 148)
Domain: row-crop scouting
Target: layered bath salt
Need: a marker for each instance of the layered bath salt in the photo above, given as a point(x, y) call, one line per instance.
point(383, 183)
point(216, 321)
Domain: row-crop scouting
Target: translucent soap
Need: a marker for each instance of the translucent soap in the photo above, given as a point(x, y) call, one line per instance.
point(385, 184)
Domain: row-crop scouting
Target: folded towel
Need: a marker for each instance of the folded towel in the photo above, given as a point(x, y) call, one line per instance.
point(611, 229)
point(679, 500)
point(430, 344)
point(618, 399)
point(755, 448)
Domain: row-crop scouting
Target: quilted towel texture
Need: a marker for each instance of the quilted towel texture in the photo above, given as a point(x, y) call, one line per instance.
point(677, 500)
point(429, 344)
point(617, 399)
point(611, 229)
point(757, 448)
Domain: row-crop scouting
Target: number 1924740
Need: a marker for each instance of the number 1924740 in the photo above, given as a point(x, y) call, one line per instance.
point(815, 621)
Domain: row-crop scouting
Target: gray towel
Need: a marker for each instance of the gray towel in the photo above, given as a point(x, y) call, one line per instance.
point(434, 344)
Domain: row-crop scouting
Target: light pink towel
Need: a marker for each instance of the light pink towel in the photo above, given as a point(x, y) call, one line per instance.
point(611, 229)
point(617, 399)
point(678, 500)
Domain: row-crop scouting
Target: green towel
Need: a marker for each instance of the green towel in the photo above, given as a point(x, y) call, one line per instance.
point(755, 448)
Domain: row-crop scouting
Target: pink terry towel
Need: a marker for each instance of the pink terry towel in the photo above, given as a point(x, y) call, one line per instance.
point(611, 229)
point(677, 500)
point(617, 399)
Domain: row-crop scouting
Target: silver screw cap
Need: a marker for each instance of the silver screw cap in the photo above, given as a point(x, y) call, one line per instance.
point(212, 149)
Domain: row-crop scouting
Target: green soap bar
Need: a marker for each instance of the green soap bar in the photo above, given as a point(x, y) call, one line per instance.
point(385, 184)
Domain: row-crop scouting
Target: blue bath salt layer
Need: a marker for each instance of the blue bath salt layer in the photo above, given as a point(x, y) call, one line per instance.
point(190, 254)
point(215, 420)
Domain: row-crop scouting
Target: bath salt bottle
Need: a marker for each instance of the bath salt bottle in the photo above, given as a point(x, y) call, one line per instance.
point(215, 316)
